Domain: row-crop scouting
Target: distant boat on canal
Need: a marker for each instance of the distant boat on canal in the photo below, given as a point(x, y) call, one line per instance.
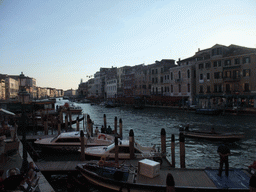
point(212, 135)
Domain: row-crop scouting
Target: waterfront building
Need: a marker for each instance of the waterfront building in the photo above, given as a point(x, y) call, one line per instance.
point(11, 88)
point(183, 80)
point(160, 76)
point(111, 83)
point(120, 80)
point(225, 76)
point(2, 88)
point(140, 80)
point(69, 93)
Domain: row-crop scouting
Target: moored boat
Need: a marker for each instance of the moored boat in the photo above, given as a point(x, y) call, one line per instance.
point(71, 141)
point(140, 152)
point(212, 135)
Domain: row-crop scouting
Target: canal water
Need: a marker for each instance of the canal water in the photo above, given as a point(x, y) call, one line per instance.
point(148, 122)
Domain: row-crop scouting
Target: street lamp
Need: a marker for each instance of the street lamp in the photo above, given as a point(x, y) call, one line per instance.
point(23, 99)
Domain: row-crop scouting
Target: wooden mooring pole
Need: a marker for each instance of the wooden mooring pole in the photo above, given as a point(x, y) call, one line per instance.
point(120, 128)
point(66, 123)
point(82, 146)
point(182, 151)
point(105, 121)
point(163, 142)
point(59, 126)
point(45, 125)
point(170, 184)
point(77, 123)
point(116, 148)
point(115, 126)
point(131, 144)
point(173, 150)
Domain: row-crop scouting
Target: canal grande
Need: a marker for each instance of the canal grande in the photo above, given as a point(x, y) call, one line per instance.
point(148, 122)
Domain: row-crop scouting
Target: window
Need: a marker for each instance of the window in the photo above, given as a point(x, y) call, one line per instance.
point(153, 80)
point(171, 88)
point(188, 73)
point(217, 75)
point(227, 88)
point(179, 88)
point(246, 72)
point(218, 88)
point(227, 74)
point(217, 63)
point(156, 80)
point(207, 65)
point(156, 71)
point(237, 61)
point(246, 87)
point(217, 51)
point(168, 77)
point(201, 77)
point(208, 75)
point(153, 71)
point(201, 89)
point(208, 89)
point(171, 76)
point(161, 79)
point(189, 88)
point(246, 60)
point(227, 62)
point(201, 66)
point(179, 75)
point(236, 74)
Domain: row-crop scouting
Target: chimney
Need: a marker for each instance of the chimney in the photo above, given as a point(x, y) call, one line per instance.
point(198, 49)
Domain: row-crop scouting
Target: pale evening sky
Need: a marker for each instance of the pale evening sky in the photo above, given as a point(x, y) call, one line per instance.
point(60, 42)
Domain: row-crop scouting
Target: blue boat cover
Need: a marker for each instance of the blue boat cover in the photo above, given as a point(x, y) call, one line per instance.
point(237, 179)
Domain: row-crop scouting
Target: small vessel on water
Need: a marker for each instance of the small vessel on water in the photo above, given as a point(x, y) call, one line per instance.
point(140, 152)
point(71, 141)
point(212, 135)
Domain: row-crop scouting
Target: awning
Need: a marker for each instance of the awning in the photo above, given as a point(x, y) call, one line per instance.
point(6, 112)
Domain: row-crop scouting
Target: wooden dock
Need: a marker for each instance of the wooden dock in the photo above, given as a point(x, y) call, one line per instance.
point(184, 178)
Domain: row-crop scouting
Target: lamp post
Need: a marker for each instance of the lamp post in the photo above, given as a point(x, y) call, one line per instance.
point(23, 99)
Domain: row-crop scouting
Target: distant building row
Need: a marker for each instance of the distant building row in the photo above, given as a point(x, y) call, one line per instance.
point(207, 78)
point(9, 88)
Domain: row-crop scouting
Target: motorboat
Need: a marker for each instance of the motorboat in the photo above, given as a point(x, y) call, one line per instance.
point(140, 152)
point(112, 176)
point(71, 141)
point(71, 108)
point(212, 135)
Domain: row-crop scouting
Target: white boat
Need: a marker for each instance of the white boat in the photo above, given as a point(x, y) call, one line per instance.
point(71, 141)
point(140, 152)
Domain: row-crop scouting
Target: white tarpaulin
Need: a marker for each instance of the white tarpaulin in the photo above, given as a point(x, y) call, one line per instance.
point(6, 112)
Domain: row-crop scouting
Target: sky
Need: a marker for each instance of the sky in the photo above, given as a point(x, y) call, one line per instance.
point(60, 42)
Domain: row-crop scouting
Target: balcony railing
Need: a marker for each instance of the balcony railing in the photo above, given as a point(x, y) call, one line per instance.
point(232, 79)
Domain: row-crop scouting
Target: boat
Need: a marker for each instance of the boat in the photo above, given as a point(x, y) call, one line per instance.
point(71, 141)
point(71, 108)
point(147, 175)
point(140, 152)
point(212, 135)
point(209, 111)
point(110, 104)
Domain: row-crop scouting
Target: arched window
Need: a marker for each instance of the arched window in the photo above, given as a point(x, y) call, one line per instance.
point(188, 73)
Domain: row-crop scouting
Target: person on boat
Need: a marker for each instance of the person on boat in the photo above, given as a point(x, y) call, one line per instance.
point(103, 130)
point(96, 131)
point(224, 152)
point(109, 130)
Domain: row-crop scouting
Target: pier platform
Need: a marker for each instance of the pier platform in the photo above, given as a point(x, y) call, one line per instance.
point(196, 179)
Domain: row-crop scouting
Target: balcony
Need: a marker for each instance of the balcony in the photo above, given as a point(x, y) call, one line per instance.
point(231, 79)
